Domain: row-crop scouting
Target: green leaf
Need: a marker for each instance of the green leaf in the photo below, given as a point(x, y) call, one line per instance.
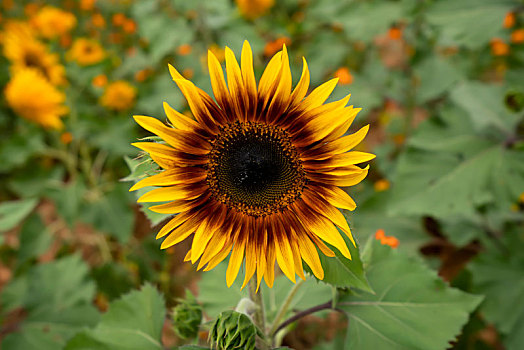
point(485, 105)
point(111, 212)
point(142, 167)
point(449, 170)
point(35, 239)
point(435, 76)
point(365, 20)
point(412, 308)
point(342, 272)
point(13, 212)
point(191, 347)
point(58, 299)
point(500, 276)
point(469, 23)
point(134, 321)
point(20, 146)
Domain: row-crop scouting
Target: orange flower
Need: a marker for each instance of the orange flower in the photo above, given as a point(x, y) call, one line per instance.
point(143, 74)
point(65, 40)
point(52, 22)
point(381, 185)
point(517, 36)
point(188, 73)
point(98, 20)
point(66, 138)
point(499, 47)
point(31, 9)
point(509, 20)
point(386, 240)
point(129, 26)
point(252, 9)
point(118, 19)
point(272, 47)
point(218, 52)
point(184, 50)
point(344, 76)
point(395, 33)
point(100, 80)
point(87, 5)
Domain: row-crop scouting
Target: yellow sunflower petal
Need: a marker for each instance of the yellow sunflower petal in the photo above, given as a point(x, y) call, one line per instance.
point(303, 85)
point(178, 120)
point(234, 262)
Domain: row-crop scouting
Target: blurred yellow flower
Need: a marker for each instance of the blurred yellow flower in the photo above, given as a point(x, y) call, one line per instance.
point(254, 8)
point(52, 22)
point(34, 98)
point(25, 51)
point(118, 96)
point(86, 52)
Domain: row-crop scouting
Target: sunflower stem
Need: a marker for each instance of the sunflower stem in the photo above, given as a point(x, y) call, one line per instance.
point(284, 308)
point(259, 314)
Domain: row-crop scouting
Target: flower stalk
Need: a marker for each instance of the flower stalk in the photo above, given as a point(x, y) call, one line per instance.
point(259, 312)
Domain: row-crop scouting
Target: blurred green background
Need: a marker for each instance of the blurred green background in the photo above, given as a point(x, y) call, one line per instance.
point(440, 82)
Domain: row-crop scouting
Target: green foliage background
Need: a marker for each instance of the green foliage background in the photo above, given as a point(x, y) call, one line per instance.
point(80, 268)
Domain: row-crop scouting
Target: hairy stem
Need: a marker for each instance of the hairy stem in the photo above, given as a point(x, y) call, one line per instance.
point(326, 306)
point(259, 314)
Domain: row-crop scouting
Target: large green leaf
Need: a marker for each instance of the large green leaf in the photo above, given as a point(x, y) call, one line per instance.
point(485, 105)
point(13, 212)
point(134, 321)
point(471, 23)
point(500, 276)
point(450, 170)
point(58, 299)
point(435, 76)
point(412, 308)
point(365, 20)
point(35, 239)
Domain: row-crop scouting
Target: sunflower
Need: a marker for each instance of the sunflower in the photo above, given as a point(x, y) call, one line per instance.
point(52, 22)
point(118, 96)
point(33, 97)
point(25, 51)
point(86, 52)
point(256, 173)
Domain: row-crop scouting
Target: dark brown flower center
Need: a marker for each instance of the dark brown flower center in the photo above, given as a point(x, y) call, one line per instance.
point(255, 169)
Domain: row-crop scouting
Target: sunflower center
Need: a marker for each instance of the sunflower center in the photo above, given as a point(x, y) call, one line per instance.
point(255, 169)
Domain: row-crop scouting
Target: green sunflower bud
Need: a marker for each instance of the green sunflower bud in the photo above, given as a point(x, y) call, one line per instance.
point(187, 316)
point(233, 330)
